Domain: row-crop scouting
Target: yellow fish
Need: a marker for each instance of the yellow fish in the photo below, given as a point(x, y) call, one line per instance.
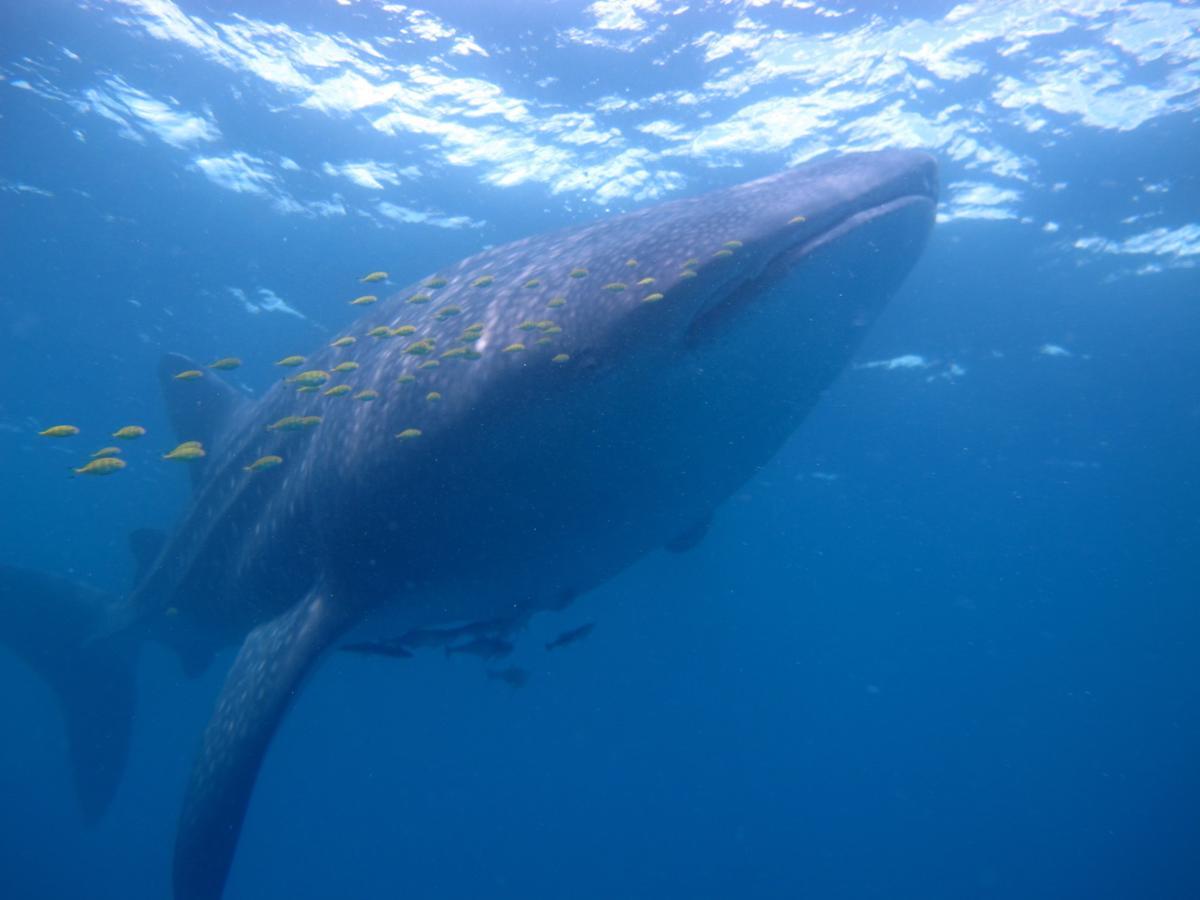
point(560, 358)
point(337, 390)
point(367, 396)
point(186, 451)
point(409, 433)
point(189, 375)
point(263, 462)
point(482, 281)
point(346, 366)
point(290, 361)
point(556, 302)
point(433, 396)
point(373, 277)
point(106, 451)
point(294, 423)
point(225, 363)
point(380, 331)
point(514, 348)
point(533, 282)
point(796, 220)
point(652, 298)
point(436, 282)
point(105, 465)
point(343, 341)
point(403, 330)
point(645, 282)
point(59, 431)
point(615, 287)
point(307, 389)
point(578, 273)
point(129, 432)
point(364, 300)
point(419, 298)
point(314, 377)
point(406, 379)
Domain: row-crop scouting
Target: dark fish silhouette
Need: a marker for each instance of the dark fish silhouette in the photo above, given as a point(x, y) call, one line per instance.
point(514, 676)
point(380, 648)
point(571, 635)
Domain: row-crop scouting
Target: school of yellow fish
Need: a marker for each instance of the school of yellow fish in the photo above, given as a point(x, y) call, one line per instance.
point(107, 460)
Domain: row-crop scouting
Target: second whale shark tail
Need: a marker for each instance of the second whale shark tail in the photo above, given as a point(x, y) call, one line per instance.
point(65, 632)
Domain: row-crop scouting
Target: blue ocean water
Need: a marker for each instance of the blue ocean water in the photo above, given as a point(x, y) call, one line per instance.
point(942, 646)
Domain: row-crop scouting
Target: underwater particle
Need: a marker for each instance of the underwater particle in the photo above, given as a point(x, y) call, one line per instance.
point(307, 389)
point(429, 364)
point(404, 330)
point(615, 287)
point(433, 396)
point(447, 312)
point(105, 465)
point(578, 273)
point(632, 263)
point(409, 433)
point(419, 298)
point(380, 331)
point(482, 281)
point(186, 452)
point(688, 263)
point(688, 273)
point(189, 375)
point(129, 432)
point(560, 358)
point(373, 277)
point(406, 379)
point(364, 300)
point(514, 348)
point(652, 298)
point(723, 254)
point(344, 341)
point(733, 245)
point(528, 325)
point(367, 396)
point(422, 347)
point(533, 282)
point(645, 282)
point(462, 353)
point(106, 451)
point(290, 361)
point(294, 423)
point(797, 220)
point(225, 363)
point(556, 302)
point(338, 390)
point(436, 282)
point(314, 377)
point(269, 461)
point(347, 366)
point(59, 431)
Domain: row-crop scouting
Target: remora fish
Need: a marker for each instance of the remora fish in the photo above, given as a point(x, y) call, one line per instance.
point(500, 500)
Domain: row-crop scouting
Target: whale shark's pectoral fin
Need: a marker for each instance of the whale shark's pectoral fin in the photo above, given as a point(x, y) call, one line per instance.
point(264, 679)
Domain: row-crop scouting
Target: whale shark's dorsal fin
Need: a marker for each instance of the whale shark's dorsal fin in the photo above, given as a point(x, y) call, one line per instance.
point(197, 407)
point(260, 686)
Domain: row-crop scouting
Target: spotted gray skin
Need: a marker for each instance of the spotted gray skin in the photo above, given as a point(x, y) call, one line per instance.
point(539, 473)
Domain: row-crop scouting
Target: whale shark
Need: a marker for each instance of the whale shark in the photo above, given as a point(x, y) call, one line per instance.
point(520, 427)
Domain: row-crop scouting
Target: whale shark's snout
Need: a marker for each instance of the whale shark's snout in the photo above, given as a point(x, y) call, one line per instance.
point(873, 211)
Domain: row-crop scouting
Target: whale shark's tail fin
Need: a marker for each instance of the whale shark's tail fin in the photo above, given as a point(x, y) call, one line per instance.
point(65, 632)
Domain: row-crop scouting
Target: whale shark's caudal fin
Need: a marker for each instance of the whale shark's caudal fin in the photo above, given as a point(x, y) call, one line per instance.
point(260, 687)
point(65, 632)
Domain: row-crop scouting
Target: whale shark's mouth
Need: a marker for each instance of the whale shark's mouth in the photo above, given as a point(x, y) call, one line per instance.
point(716, 316)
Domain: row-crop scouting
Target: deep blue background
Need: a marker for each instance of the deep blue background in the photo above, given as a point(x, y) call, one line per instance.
point(965, 666)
